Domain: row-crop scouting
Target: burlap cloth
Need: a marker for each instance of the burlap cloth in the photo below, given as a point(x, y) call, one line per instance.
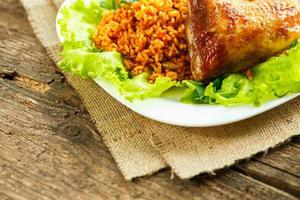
point(141, 146)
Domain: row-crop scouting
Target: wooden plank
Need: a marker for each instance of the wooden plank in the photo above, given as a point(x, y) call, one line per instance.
point(279, 168)
point(5, 197)
point(49, 149)
point(275, 177)
point(287, 159)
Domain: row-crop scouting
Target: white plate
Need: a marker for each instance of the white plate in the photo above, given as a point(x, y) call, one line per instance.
point(173, 112)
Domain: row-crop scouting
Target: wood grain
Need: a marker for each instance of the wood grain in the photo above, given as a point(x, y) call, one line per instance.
point(50, 149)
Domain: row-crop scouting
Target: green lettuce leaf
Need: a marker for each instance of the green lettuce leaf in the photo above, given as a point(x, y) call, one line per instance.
point(79, 21)
point(235, 89)
point(107, 65)
point(282, 73)
point(194, 93)
point(139, 87)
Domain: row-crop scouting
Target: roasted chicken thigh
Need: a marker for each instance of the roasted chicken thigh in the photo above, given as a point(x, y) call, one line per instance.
point(234, 35)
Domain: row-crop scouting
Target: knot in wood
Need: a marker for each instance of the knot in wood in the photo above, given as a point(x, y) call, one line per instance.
point(75, 129)
point(72, 131)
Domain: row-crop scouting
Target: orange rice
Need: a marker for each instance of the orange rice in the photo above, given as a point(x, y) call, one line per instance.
point(151, 35)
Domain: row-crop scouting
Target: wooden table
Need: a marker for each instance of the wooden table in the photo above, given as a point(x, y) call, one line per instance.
point(49, 149)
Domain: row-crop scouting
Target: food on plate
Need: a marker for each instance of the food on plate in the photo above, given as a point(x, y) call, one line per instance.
point(203, 48)
point(234, 35)
point(151, 35)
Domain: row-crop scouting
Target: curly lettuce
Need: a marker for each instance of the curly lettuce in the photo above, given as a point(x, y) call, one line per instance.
point(274, 78)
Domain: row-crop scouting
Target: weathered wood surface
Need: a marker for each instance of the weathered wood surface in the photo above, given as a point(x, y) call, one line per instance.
point(49, 149)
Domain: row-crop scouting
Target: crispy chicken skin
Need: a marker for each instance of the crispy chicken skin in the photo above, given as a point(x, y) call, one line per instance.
point(234, 35)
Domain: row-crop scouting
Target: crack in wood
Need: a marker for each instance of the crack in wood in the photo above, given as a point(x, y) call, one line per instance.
point(10, 74)
point(31, 83)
